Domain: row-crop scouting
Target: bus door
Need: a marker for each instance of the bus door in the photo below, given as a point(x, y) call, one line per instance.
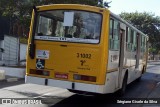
point(121, 54)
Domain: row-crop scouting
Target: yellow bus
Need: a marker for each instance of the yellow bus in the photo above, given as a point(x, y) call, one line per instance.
point(84, 49)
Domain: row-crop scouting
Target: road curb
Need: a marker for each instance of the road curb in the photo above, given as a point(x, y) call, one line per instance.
point(11, 79)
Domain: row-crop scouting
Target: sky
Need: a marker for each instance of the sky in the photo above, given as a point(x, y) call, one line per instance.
point(118, 6)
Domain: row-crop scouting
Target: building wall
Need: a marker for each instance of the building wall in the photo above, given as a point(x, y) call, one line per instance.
point(10, 54)
point(23, 51)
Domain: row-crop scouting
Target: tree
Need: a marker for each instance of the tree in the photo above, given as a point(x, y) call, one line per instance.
point(14, 10)
point(148, 23)
point(19, 12)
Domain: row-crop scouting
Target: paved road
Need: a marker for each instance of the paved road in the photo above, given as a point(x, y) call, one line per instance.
point(148, 87)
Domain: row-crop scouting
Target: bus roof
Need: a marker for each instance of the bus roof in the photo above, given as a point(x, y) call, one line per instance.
point(69, 6)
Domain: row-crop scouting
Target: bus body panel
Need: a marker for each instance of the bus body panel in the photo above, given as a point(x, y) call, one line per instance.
point(68, 59)
point(108, 87)
point(64, 59)
point(82, 66)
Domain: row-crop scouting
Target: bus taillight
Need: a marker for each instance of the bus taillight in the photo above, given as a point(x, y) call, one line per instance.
point(84, 78)
point(39, 72)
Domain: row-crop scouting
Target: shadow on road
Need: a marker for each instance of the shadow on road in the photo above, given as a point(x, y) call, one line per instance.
point(108, 100)
point(4, 83)
point(141, 89)
point(86, 101)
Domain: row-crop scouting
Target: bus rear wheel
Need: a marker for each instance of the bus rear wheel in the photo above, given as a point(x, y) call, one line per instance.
point(139, 78)
point(124, 86)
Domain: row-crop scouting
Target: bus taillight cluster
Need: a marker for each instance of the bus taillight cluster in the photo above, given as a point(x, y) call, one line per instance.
point(84, 78)
point(39, 72)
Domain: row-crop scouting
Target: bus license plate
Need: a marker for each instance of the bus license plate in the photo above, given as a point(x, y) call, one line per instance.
point(62, 76)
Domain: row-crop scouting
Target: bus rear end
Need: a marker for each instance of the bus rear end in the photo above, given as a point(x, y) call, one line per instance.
point(66, 48)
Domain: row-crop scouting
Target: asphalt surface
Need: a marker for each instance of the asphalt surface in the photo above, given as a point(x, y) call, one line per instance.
point(148, 87)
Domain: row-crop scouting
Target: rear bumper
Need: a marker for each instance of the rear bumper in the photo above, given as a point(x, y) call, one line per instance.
point(66, 84)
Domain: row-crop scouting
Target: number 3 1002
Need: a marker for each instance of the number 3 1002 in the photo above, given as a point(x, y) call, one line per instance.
point(83, 55)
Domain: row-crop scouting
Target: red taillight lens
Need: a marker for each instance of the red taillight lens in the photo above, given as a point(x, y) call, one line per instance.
point(84, 78)
point(39, 72)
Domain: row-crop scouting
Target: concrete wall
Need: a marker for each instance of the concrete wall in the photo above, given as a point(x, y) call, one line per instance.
point(15, 72)
point(23, 51)
point(10, 55)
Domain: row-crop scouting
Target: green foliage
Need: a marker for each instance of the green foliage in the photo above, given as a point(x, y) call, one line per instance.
point(152, 50)
point(87, 2)
point(19, 12)
point(148, 23)
point(23, 40)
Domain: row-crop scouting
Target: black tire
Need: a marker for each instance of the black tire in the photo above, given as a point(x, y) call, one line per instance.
point(124, 86)
point(139, 78)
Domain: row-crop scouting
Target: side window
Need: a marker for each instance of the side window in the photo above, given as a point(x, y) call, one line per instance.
point(134, 47)
point(133, 41)
point(127, 30)
point(111, 24)
point(143, 44)
point(126, 34)
point(128, 40)
point(116, 30)
point(131, 36)
point(114, 34)
point(141, 41)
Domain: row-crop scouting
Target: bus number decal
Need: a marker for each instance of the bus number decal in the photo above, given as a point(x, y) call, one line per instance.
point(83, 55)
